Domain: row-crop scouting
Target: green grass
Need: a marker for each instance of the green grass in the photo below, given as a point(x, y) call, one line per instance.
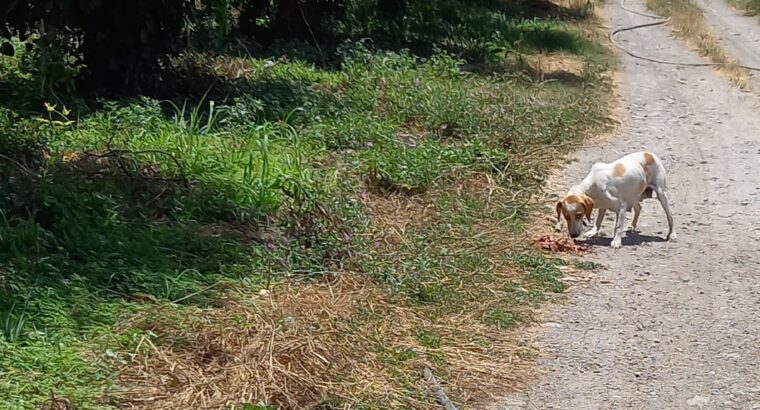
point(119, 207)
point(543, 272)
point(41, 367)
point(502, 318)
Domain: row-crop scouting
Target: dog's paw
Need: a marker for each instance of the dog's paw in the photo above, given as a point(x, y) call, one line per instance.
point(672, 237)
point(631, 228)
point(590, 234)
point(616, 244)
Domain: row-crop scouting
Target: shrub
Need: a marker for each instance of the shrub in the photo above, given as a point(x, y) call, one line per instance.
point(114, 45)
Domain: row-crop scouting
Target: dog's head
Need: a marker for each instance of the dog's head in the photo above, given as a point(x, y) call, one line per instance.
point(573, 208)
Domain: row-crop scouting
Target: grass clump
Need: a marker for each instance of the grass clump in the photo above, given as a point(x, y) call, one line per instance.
point(295, 235)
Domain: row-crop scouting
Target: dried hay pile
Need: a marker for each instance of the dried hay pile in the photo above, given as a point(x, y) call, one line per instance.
point(307, 346)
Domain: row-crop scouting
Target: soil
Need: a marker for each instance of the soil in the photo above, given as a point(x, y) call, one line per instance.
point(668, 325)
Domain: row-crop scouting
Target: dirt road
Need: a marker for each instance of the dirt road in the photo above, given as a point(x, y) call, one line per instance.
point(668, 325)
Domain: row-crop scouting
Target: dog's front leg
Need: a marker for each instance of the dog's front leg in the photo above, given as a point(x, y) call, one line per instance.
point(597, 225)
point(617, 240)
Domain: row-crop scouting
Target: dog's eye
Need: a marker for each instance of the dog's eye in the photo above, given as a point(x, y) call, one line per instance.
point(579, 216)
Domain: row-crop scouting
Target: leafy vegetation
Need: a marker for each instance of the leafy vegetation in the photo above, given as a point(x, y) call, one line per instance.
point(145, 240)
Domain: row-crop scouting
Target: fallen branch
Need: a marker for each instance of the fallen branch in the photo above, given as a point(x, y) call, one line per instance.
point(120, 154)
point(440, 395)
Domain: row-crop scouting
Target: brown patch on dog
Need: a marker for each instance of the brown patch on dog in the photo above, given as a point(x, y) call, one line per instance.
point(647, 172)
point(648, 159)
point(648, 163)
point(588, 206)
point(619, 170)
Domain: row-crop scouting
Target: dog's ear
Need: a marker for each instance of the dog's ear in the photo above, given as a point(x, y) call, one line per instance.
point(558, 225)
point(588, 206)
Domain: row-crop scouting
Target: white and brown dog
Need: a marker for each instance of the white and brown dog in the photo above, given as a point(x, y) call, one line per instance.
point(619, 187)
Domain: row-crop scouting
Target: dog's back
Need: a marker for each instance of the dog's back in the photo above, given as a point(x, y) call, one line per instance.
point(642, 162)
point(634, 177)
point(651, 167)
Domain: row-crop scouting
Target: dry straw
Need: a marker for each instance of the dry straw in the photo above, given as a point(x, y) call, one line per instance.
point(304, 345)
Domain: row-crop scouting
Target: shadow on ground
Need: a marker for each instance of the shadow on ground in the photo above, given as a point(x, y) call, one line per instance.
point(629, 239)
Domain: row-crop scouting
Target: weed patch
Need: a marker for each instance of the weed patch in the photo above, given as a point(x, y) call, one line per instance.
point(544, 272)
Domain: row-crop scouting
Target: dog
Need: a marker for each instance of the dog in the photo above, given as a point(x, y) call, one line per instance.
point(618, 187)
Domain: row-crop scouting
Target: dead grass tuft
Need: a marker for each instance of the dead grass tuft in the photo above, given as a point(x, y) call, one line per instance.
point(395, 214)
point(302, 346)
point(551, 66)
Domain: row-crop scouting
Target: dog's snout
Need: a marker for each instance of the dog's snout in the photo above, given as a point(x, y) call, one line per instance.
point(575, 231)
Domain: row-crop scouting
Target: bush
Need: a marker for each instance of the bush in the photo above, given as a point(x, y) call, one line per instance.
point(114, 45)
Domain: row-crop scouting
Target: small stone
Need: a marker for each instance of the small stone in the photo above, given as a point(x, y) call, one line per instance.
point(698, 401)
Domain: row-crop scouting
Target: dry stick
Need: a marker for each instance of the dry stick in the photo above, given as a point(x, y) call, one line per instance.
point(195, 293)
point(440, 395)
point(20, 166)
point(119, 154)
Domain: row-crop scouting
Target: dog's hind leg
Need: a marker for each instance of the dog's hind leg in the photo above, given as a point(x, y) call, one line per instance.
point(663, 198)
point(635, 221)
